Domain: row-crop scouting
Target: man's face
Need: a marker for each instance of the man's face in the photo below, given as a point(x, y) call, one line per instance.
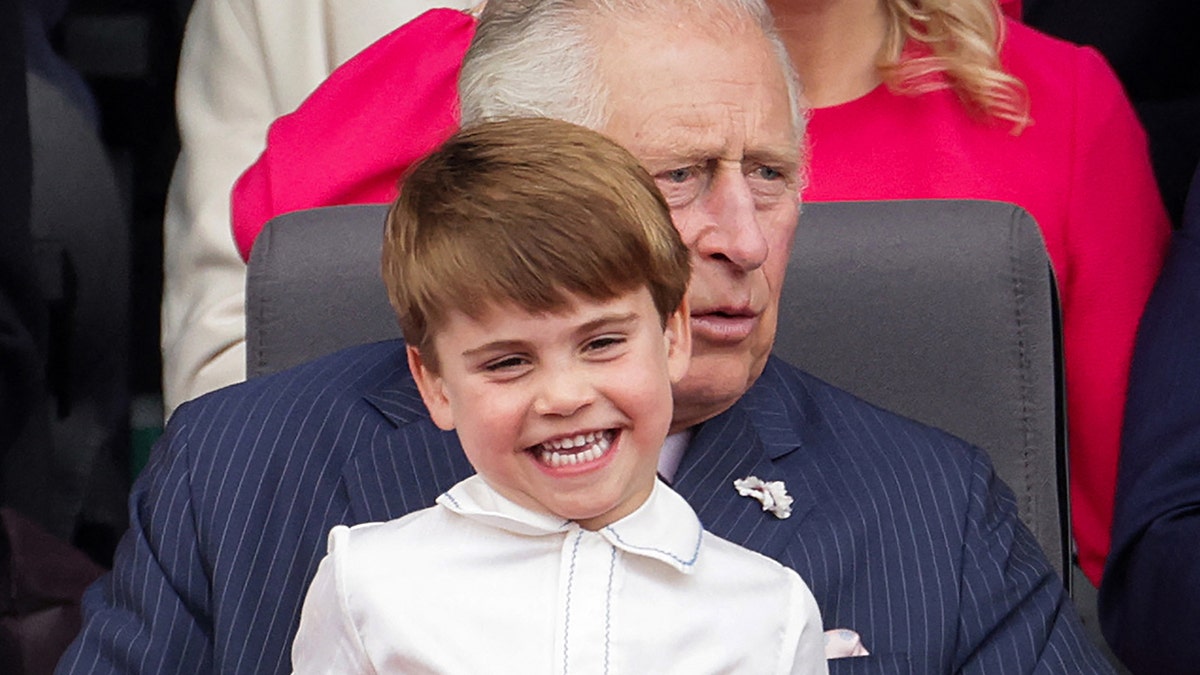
point(709, 118)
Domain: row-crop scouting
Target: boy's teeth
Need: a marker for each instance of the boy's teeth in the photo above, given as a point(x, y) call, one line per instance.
point(597, 444)
point(573, 442)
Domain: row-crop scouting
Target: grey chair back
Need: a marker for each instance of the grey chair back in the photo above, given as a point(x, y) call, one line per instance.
point(943, 311)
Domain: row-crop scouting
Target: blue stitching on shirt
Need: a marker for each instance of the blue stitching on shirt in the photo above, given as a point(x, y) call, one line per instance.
point(570, 584)
point(612, 566)
point(453, 501)
point(681, 561)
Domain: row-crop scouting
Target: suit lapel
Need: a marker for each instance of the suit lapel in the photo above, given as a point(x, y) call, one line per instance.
point(729, 447)
point(403, 465)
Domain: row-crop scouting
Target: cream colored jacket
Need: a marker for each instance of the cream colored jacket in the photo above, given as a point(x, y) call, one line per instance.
point(243, 64)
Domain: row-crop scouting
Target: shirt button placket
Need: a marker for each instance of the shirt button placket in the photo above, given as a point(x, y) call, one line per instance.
point(586, 567)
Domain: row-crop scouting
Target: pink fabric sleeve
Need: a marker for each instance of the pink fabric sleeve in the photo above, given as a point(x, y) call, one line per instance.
point(1117, 235)
point(356, 134)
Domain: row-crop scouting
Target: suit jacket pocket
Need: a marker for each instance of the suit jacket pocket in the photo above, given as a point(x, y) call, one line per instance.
point(883, 664)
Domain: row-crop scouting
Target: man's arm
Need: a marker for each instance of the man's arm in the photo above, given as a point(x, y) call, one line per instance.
point(1016, 616)
point(1150, 595)
point(152, 614)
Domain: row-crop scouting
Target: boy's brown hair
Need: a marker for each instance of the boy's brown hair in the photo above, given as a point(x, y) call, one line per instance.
point(526, 211)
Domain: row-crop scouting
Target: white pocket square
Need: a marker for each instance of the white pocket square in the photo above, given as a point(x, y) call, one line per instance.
point(843, 642)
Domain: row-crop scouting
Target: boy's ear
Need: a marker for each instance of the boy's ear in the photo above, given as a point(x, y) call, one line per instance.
point(678, 335)
point(433, 390)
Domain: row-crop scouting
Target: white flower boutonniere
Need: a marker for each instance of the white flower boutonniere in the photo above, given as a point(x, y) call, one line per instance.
point(771, 494)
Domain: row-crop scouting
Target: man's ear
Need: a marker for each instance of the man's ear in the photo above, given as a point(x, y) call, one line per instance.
point(432, 388)
point(678, 334)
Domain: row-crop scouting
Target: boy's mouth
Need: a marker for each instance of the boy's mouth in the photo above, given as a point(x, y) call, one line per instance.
point(578, 449)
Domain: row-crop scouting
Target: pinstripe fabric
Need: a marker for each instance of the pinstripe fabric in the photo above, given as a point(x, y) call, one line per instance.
point(902, 532)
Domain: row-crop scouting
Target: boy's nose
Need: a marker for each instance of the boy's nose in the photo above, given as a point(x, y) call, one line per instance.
point(563, 393)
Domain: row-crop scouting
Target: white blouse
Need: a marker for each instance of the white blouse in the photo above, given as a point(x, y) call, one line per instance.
point(478, 584)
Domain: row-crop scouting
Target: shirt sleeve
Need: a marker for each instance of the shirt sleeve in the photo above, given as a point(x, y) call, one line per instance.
point(327, 640)
point(804, 640)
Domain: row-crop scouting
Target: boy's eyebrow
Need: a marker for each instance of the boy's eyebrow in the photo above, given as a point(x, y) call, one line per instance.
point(604, 321)
point(607, 320)
point(497, 346)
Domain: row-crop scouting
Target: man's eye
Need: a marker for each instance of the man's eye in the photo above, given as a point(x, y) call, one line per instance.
point(768, 173)
point(680, 186)
point(679, 175)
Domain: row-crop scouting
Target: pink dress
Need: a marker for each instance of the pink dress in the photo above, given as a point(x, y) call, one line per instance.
point(1081, 169)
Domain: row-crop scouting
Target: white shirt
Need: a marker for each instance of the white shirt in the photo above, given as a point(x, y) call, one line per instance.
point(479, 584)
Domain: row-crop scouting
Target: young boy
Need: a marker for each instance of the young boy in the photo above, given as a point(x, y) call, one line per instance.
point(540, 288)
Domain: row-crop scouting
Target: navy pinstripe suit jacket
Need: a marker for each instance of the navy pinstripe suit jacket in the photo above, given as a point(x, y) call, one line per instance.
point(904, 533)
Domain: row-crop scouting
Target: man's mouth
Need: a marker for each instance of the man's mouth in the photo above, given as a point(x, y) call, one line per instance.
point(724, 324)
point(578, 449)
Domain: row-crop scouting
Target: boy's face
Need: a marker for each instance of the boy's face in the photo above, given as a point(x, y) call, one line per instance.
point(562, 413)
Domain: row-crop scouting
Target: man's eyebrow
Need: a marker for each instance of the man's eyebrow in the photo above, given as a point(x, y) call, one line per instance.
point(772, 157)
point(687, 149)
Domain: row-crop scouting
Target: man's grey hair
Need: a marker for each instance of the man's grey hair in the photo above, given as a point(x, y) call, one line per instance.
point(538, 58)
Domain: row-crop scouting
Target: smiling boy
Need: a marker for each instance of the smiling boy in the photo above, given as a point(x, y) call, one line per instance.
point(540, 284)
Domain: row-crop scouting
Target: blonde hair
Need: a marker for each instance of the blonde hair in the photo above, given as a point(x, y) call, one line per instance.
point(529, 212)
point(953, 44)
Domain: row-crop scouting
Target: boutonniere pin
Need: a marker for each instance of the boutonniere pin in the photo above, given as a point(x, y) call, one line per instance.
point(771, 494)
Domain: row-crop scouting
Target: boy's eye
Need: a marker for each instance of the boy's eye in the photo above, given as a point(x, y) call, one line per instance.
point(506, 363)
point(604, 342)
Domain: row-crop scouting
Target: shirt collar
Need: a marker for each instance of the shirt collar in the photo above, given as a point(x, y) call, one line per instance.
point(665, 528)
point(672, 453)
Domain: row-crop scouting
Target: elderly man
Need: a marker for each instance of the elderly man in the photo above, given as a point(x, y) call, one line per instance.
point(904, 534)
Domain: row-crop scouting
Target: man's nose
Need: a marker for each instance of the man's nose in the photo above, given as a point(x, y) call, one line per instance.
point(563, 391)
point(732, 231)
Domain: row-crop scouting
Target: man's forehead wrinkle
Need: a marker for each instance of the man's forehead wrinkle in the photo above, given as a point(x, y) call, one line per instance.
point(694, 134)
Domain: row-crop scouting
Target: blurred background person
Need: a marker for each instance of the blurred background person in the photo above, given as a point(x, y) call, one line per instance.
point(42, 576)
point(243, 63)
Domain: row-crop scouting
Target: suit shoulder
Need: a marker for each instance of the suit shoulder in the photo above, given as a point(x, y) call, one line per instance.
point(832, 427)
point(342, 378)
point(812, 403)
point(324, 405)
